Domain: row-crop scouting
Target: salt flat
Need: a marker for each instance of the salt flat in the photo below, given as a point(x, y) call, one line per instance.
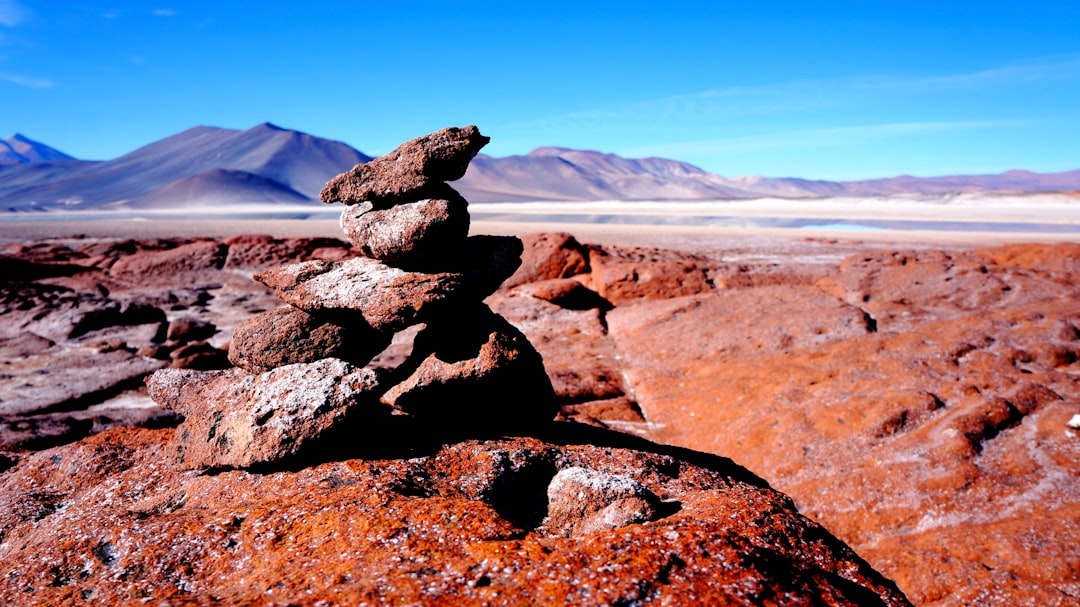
point(956, 219)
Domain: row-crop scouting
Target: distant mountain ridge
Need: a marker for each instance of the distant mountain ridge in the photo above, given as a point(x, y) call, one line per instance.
point(19, 149)
point(200, 166)
point(267, 164)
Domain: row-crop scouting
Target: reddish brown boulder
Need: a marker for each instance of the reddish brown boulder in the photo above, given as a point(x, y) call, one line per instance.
point(550, 255)
point(261, 251)
point(186, 328)
point(620, 274)
point(198, 355)
point(289, 335)
point(579, 357)
point(108, 521)
point(236, 420)
point(411, 233)
point(406, 173)
point(164, 267)
point(566, 293)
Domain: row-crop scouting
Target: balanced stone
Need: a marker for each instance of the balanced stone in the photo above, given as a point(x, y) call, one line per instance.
point(290, 335)
point(404, 174)
point(298, 369)
point(467, 370)
point(237, 420)
point(410, 232)
point(388, 299)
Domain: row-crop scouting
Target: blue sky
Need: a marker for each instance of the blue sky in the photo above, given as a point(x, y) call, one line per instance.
point(829, 90)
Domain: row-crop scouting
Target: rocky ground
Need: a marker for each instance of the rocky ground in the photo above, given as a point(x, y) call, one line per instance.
point(915, 402)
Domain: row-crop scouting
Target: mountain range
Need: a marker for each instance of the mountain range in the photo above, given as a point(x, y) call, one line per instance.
point(269, 164)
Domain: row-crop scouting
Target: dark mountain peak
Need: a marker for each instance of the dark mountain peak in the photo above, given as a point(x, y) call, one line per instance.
point(269, 126)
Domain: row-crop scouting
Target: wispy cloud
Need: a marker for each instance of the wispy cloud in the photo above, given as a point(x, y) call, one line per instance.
point(34, 83)
point(724, 104)
point(1051, 68)
point(813, 138)
point(12, 13)
point(165, 12)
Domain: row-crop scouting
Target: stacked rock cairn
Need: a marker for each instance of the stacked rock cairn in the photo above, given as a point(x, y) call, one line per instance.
point(300, 379)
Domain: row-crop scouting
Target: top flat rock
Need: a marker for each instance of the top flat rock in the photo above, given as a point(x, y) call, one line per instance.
point(404, 174)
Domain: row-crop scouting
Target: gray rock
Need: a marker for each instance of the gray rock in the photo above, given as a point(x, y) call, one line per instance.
point(388, 299)
point(237, 420)
point(409, 233)
point(583, 501)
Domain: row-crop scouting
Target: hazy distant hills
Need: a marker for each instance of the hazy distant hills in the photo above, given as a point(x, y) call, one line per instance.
point(270, 165)
point(202, 165)
point(562, 174)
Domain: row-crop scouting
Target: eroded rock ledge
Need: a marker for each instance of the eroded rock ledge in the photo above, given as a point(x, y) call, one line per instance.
point(109, 521)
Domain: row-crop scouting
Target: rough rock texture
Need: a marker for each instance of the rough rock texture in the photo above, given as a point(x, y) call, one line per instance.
point(566, 293)
point(236, 420)
point(76, 340)
point(161, 266)
point(406, 173)
point(107, 521)
point(289, 335)
point(55, 378)
point(260, 251)
point(390, 298)
point(583, 501)
point(477, 371)
point(579, 357)
point(184, 329)
point(409, 233)
point(620, 275)
point(387, 298)
point(914, 401)
point(920, 425)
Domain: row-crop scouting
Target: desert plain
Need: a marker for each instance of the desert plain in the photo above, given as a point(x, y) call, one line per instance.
point(911, 387)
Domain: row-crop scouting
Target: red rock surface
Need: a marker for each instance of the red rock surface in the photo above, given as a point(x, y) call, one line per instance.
point(913, 401)
point(108, 521)
point(936, 446)
point(83, 321)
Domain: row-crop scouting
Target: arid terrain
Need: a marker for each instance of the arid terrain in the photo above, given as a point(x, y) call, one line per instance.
point(913, 398)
